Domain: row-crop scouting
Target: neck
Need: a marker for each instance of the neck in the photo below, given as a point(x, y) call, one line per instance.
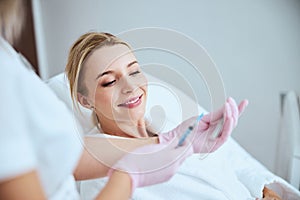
point(124, 128)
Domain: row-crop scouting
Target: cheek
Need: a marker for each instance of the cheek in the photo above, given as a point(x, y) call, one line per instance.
point(142, 82)
point(145, 85)
point(145, 88)
point(103, 99)
point(144, 79)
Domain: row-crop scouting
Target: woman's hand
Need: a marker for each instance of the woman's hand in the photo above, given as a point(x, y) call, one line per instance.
point(201, 138)
point(269, 194)
point(152, 164)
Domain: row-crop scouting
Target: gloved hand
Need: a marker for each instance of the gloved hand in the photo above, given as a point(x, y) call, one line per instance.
point(201, 136)
point(152, 164)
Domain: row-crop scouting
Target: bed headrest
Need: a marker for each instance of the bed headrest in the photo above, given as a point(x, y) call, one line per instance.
point(166, 106)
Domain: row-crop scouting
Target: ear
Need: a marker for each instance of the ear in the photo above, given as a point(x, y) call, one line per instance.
point(83, 100)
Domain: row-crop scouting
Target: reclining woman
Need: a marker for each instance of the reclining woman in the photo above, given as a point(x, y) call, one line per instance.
point(105, 77)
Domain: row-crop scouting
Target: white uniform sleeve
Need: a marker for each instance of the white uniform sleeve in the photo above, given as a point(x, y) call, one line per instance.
point(16, 149)
point(37, 130)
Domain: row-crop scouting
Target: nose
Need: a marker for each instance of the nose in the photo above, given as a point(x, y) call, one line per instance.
point(127, 86)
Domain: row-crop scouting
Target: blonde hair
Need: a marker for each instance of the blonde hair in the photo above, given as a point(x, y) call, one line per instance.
point(12, 16)
point(79, 52)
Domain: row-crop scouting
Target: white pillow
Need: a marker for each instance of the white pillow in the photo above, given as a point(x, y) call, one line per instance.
point(60, 85)
point(166, 107)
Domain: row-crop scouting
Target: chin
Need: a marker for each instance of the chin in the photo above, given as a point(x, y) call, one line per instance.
point(136, 114)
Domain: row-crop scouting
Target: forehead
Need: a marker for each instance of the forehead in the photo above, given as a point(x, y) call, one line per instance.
point(109, 57)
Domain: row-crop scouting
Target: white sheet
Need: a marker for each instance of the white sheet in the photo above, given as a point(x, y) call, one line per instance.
point(230, 173)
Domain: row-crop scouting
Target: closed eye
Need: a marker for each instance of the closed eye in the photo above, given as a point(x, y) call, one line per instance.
point(108, 83)
point(134, 73)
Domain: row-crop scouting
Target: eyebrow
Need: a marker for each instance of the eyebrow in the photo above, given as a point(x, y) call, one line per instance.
point(109, 71)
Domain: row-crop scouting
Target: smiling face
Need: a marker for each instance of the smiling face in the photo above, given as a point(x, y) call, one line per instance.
point(116, 86)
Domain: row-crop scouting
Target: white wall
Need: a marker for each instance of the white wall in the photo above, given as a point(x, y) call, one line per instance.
point(255, 44)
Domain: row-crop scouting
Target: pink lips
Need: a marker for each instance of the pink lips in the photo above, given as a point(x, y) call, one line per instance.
point(132, 102)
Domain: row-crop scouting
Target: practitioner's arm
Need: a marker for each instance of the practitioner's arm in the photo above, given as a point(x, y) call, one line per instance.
point(100, 153)
point(147, 165)
point(118, 187)
point(25, 186)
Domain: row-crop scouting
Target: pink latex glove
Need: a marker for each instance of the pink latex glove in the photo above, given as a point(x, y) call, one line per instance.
point(201, 136)
point(152, 164)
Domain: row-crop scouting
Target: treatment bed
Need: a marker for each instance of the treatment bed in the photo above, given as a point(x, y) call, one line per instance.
point(228, 173)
